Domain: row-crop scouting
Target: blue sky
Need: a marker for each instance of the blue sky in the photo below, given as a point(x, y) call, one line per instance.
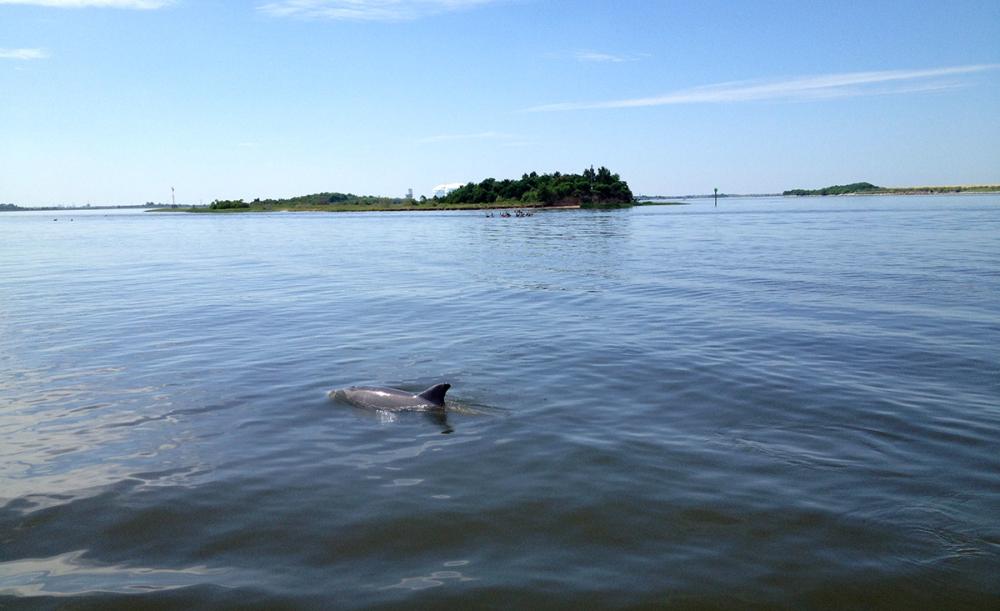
point(115, 101)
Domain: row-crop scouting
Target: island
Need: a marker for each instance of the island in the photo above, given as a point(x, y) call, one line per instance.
point(592, 189)
point(851, 189)
point(867, 188)
point(598, 188)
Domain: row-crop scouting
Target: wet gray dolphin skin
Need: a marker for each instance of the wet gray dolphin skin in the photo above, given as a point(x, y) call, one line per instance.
point(392, 399)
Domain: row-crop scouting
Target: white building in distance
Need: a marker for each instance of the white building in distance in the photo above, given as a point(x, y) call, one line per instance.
point(446, 188)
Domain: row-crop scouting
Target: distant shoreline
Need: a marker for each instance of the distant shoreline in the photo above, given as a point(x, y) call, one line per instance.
point(938, 190)
point(13, 208)
point(346, 207)
point(867, 188)
point(409, 208)
point(426, 207)
point(641, 200)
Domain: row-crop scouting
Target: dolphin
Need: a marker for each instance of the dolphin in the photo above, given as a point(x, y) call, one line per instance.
point(392, 399)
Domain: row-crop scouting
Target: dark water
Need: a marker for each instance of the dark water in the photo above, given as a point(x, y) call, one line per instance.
point(774, 403)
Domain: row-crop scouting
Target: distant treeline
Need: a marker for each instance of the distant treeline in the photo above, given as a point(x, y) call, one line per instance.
point(867, 188)
point(591, 188)
point(856, 187)
point(313, 201)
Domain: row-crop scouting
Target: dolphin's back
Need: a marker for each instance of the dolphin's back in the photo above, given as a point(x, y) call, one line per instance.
point(392, 399)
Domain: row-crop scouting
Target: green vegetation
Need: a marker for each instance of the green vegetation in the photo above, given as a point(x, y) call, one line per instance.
point(593, 188)
point(939, 190)
point(856, 187)
point(326, 202)
point(319, 203)
point(228, 204)
point(316, 201)
point(866, 188)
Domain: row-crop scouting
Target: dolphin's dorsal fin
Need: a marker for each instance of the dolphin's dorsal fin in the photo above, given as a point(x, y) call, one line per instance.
point(435, 394)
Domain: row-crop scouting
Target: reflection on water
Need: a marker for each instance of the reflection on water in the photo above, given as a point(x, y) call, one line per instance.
point(438, 419)
point(71, 574)
point(434, 580)
point(786, 403)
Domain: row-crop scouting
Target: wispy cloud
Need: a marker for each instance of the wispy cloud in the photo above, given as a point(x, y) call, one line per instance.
point(366, 10)
point(129, 4)
point(23, 54)
point(607, 58)
point(475, 136)
point(825, 86)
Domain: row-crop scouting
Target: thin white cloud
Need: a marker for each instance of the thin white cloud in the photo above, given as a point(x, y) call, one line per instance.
point(475, 136)
point(365, 10)
point(128, 4)
point(607, 58)
point(23, 54)
point(805, 88)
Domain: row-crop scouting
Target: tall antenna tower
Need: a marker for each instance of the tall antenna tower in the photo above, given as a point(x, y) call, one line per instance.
point(173, 200)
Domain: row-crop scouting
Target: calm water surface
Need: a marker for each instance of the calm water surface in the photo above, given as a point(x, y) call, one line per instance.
point(789, 403)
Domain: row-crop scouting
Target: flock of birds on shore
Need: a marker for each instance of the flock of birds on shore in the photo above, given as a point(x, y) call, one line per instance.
point(506, 215)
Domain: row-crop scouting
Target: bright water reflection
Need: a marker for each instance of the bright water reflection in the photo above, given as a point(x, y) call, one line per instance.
point(68, 575)
point(776, 402)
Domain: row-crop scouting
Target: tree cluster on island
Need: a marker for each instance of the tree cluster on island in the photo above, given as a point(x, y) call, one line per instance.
point(591, 188)
point(312, 201)
point(854, 187)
